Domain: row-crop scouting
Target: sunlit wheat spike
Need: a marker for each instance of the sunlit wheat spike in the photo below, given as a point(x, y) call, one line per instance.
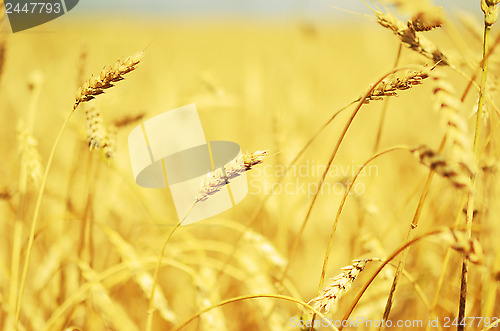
point(409, 37)
point(109, 143)
point(109, 75)
point(217, 179)
point(456, 174)
point(394, 83)
point(98, 137)
point(461, 242)
point(457, 129)
point(29, 155)
point(339, 285)
point(426, 21)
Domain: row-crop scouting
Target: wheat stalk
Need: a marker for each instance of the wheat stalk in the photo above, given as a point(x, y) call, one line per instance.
point(329, 296)
point(109, 75)
point(91, 88)
point(217, 179)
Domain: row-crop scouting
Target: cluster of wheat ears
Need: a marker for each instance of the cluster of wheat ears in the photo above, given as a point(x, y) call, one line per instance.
point(465, 158)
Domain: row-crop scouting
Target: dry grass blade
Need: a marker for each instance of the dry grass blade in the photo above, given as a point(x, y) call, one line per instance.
point(109, 75)
point(339, 285)
point(218, 178)
point(456, 174)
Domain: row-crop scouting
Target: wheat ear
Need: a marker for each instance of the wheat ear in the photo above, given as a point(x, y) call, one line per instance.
point(426, 21)
point(461, 242)
point(339, 285)
point(456, 174)
point(457, 130)
point(109, 75)
point(391, 85)
point(217, 179)
point(407, 34)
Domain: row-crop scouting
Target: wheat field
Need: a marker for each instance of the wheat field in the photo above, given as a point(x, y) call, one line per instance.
point(402, 225)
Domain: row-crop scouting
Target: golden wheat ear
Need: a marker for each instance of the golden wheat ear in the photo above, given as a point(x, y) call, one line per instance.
point(461, 242)
point(454, 172)
point(217, 179)
point(339, 285)
point(409, 36)
point(109, 75)
point(394, 83)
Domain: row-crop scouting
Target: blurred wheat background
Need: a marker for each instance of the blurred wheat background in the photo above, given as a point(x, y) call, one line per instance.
point(267, 85)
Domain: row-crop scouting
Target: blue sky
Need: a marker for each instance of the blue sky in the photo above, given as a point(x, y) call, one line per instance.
point(264, 8)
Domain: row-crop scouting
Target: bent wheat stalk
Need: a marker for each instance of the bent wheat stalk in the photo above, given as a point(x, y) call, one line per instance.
point(213, 183)
point(444, 233)
point(368, 95)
